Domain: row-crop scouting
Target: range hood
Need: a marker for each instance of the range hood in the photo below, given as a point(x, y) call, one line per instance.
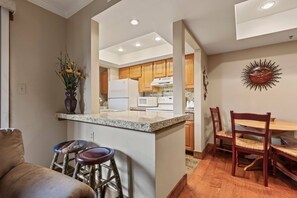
point(162, 82)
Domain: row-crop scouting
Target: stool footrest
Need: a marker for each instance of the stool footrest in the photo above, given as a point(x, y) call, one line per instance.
point(113, 186)
point(106, 166)
point(105, 181)
point(58, 164)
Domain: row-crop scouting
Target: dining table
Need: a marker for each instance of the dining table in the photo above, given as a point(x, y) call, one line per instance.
point(276, 127)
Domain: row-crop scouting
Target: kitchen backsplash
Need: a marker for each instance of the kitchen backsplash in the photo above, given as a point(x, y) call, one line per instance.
point(189, 95)
point(168, 91)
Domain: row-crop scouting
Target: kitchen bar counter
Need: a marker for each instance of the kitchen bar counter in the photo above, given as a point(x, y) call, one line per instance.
point(133, 120)
point(144, 109)
point(138, 108)
point(146, 144)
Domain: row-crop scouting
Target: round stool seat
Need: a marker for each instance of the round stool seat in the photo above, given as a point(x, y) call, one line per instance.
point(96, 155)
point(72, 146)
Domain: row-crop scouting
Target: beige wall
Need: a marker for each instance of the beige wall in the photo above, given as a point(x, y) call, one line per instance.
point(82, 36)
point(37, 37)
point(228, 92)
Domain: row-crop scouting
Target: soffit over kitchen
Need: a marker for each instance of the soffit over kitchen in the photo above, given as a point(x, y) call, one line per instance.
point(213, 23)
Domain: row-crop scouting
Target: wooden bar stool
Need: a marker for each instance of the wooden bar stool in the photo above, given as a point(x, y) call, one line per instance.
point(66, 149)
point(89, 170)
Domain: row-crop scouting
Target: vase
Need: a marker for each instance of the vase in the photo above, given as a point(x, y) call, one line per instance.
point(70, 101)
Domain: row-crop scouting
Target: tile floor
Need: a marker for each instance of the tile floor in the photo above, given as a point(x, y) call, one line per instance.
point(191, 164)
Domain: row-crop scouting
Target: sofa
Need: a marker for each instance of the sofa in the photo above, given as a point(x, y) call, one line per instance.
point(19, 179)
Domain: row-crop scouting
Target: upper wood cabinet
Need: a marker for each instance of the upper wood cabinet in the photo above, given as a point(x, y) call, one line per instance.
point(141, 84)
point(124, 72)
point(147, 75)
point(160, 69)
point(169, 67)
point(189, 71)
point(189, 135)
point(135, 71)
point(104, 82)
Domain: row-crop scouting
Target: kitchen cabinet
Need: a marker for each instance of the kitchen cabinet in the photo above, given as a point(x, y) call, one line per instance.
point(189, 71)
point(103, 82)
point(147, 77)
point(169, 67)
point(160, 69)
point(189, 135)
point(124, 72)
point(135, 71)
point(140, 85)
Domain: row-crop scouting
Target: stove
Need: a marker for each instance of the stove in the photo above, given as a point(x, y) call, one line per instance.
point(165, 104)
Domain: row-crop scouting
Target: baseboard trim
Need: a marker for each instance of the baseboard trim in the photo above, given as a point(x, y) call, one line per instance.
point(178, 188)
point(201, 155)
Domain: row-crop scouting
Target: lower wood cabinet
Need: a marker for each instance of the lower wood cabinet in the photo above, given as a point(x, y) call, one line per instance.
point(189, 135)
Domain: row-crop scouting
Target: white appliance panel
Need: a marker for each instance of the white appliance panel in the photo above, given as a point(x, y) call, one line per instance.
point(118, 103)
point(147, 101)
point(122, 94)
point(133, 92)
point(118, 89)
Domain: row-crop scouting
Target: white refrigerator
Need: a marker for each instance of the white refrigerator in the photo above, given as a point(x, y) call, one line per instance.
point(122, 94)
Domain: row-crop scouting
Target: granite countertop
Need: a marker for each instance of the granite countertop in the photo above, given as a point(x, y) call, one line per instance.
point(144, 109)
point(189, 110)
point(138, 108)
point(133, 120)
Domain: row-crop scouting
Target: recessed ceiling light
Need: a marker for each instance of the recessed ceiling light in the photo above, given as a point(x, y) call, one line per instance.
point(120, 49)
point(267, 5)
point(138, 45)
point(158, 38)
point(134, 22)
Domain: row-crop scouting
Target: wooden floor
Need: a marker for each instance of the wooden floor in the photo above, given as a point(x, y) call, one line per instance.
point(212, 178)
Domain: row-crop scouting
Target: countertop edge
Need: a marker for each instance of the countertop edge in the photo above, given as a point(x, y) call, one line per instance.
point(121, 123)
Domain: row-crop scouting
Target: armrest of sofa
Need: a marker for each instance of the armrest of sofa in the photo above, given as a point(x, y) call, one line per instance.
point(31, 181)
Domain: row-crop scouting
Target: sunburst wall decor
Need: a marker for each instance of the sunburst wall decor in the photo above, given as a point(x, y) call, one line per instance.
point(261, 75)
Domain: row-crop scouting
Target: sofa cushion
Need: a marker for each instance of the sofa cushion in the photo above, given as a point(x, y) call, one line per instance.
point(32, 181)
point(11, 150)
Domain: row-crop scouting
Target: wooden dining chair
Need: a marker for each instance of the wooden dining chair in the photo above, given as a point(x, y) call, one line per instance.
point(218, 132)
point(244, 145)
point(287, 151)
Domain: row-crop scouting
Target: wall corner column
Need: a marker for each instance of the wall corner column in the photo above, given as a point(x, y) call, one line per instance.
point(179, 67)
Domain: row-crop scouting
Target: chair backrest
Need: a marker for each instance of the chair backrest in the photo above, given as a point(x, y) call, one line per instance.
point(216, 119)
point(265, 118)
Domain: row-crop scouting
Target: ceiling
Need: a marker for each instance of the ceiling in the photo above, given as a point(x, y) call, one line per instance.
point(253, 21)
point(248, 11)
point(150, 50)
point(64, 8)
point(212, 22)
point(146, 41)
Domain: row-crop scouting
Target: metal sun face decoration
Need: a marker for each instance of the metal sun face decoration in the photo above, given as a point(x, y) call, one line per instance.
point(261, 75)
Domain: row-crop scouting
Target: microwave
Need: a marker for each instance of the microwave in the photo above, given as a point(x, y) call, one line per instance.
point(147, 101)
